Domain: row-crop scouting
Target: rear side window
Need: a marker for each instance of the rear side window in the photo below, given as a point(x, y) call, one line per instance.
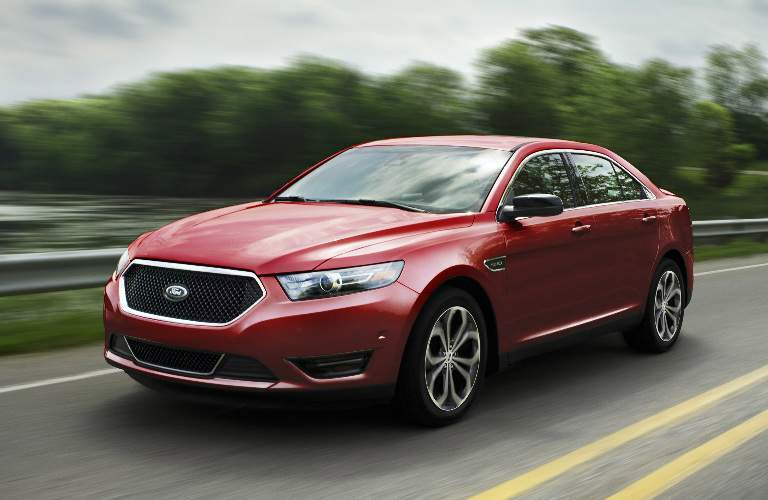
point(598, 179)
point(631, 189)
point(545, 174)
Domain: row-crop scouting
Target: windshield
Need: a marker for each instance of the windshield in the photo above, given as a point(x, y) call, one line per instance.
point(431, 178)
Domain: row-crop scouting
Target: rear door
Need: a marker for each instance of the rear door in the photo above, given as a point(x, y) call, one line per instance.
point(549, 259)
point(625, 233)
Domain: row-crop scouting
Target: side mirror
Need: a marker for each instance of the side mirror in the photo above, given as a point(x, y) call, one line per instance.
point(530, 205)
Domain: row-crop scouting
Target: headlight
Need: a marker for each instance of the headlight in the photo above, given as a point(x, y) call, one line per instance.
point(121, 265)
point(335, 282)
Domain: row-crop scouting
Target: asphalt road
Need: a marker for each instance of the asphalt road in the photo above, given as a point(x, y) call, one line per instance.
point(105, 436)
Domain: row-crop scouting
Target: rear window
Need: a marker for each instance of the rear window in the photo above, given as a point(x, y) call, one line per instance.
point(631, 189)
point(598, 179)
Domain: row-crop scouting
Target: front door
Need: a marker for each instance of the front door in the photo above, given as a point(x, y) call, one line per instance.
point(549, 259)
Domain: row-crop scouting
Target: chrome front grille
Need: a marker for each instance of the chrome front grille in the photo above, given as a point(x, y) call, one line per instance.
point(215, 296)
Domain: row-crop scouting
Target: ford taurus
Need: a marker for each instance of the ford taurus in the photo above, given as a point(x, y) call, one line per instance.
point(404, 270)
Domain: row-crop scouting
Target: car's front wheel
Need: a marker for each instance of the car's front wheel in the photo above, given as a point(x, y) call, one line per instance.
point(445, 359)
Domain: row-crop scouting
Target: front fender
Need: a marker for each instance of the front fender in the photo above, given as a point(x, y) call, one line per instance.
point(435, 258)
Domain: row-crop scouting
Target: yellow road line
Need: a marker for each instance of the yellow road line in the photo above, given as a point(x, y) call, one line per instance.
point(543, 473)
point(683, 466)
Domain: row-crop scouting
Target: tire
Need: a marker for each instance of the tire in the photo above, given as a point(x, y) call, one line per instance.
point(426, 359)
point(664, 311)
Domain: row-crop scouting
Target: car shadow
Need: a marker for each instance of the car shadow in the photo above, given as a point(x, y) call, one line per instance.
point(524, 403)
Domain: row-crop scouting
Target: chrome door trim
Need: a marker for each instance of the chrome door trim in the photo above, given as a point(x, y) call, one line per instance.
point(528, 158)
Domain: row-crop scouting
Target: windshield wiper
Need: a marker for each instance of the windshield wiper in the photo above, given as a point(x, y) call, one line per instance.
point(290, 198)
point(358, 201)
point(378, 203)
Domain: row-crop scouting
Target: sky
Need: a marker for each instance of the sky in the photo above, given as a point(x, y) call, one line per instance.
point(66, 48)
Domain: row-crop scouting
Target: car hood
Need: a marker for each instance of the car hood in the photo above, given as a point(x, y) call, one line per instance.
point(269, 238)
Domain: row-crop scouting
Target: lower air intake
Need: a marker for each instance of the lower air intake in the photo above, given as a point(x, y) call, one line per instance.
point(174, 359)
point(188, 361)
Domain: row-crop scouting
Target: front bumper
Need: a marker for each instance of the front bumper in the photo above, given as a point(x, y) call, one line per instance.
point(278, 330)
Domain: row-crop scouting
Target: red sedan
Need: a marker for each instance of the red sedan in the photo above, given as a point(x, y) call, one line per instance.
point(405, 270)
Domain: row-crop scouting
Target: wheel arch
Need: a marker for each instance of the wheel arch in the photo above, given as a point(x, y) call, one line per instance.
point(471, 285)
point(477, 291)
point(676, 256)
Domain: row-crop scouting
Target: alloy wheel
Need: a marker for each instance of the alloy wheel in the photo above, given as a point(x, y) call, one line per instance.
point(452, 360)
point(668, 306)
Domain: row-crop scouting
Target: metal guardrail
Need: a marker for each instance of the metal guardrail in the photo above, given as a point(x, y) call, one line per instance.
point(51, 271)
point(733, 227)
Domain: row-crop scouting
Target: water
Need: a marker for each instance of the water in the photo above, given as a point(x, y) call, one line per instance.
point(31, 222)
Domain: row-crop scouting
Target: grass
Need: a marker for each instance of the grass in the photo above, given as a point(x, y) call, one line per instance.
point(746, 198)
point(758, 165)
point(48, 321)
point(734, 248)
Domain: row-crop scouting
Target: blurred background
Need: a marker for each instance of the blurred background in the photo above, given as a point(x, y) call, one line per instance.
point(117, 116)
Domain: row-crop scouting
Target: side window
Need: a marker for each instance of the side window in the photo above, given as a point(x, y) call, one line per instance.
point(632, 189)
point(545, 174)
point(598, 179)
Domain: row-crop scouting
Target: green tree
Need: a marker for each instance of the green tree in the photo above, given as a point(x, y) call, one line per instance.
point(239, 131)
point(573, 53)
point(284, 120)
point(737, 79)
point(656, 108)
point(518, 92)
point(711, 142)
point(9, 150)
point(433, 98)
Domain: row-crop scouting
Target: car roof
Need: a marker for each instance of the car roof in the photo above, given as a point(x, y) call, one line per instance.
point(503, 142)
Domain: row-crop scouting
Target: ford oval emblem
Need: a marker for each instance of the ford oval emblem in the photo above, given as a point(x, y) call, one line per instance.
point(176, 293)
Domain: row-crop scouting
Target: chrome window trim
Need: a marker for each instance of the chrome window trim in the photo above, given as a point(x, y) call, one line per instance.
point(124, 307)
point(525, 160)
point(165, 368)
point(647, 191)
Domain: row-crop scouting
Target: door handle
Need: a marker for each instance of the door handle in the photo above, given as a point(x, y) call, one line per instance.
point(649, 219)
point(581, 229)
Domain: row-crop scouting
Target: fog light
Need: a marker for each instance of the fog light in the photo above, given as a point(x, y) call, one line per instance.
point(338, 365)
point(118, 346)
point(239, 367)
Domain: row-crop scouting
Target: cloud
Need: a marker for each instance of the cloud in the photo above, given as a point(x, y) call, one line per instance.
point(102, 18)
point(681, 50)
point(93, 18)
point(157, 10)
point(759, 6)
point(62, 48)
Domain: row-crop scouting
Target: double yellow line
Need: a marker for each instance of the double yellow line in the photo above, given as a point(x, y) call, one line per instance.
point(688, 463)
point(669, 474)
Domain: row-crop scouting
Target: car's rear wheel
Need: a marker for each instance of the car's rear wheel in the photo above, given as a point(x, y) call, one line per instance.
point(664, 311)
point(445, 359)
